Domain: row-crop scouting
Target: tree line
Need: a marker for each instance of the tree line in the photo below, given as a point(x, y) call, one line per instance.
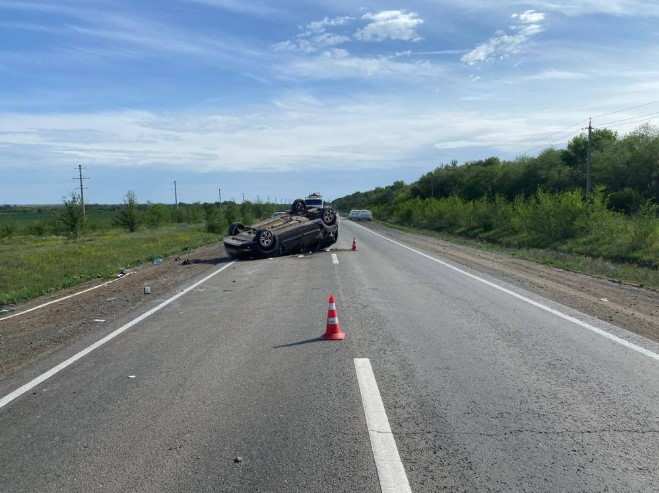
point(540, 201)
point(131, 215)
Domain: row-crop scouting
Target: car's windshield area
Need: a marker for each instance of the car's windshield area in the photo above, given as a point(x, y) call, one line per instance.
point(313, 203)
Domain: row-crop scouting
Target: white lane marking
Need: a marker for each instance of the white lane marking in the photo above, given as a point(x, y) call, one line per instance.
point(56, 369)
point(62, 298)
point(335, 259)
point(564, 316)
point(387, 461)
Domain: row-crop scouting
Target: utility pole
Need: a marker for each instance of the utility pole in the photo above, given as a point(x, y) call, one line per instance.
point(81, 179)
point(589, 159)
point(175, 194)
point(243, 196)
point(219, 191)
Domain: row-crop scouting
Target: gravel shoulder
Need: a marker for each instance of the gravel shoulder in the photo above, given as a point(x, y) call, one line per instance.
point(633, 308)
point(31, 337)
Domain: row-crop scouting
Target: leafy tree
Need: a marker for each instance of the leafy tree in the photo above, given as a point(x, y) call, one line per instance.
point(71, 216)
point(156, 215)
point(128, 216)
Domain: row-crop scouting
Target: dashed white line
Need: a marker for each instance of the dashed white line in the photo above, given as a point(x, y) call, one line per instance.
point(391, 472)
point(64, 364)
point(335, 259)
point(564, 316)
point(61, 299)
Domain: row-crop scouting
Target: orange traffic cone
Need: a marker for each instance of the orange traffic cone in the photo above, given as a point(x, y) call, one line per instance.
point(333, 331)
point(354, 244)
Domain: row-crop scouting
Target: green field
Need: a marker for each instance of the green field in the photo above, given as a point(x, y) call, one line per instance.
point(39, 255)
point(33, 266)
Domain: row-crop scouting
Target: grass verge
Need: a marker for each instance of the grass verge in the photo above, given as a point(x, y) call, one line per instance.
point(597, 267)
point(32, 266)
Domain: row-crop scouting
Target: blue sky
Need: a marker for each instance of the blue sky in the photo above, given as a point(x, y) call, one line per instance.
point(277, 99)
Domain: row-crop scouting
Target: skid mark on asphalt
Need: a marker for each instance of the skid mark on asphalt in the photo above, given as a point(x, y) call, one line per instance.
point(391, 472)
point(66, 363)
point(564, 316)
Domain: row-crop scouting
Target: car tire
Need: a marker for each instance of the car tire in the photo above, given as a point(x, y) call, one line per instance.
point(298, 208)
point(266, 241)
point(236, 228)
point(328, 216)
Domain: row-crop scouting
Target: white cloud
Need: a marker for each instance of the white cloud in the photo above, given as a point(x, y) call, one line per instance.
point(315, 37)
point(556, 75)
point(311, 44)
point(390, 24)
point(322, 25)
point(250, 7)
point(351, 132)
point(610, 7)
point(338, 63)
point(529, 17)
point(319, 35)
point(636, 8)
point(503, 44)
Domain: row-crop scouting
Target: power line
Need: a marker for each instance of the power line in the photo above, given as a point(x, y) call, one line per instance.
point(627, 109)
point(632, 118)
point(570, 129)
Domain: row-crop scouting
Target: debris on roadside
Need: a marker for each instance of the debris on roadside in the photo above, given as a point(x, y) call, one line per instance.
point(147, 289)
point(238, 460)
point(131, 376)
point(99, 320)
point(157, 261)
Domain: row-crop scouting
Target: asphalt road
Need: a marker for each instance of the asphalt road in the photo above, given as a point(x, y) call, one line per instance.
point(483, 390)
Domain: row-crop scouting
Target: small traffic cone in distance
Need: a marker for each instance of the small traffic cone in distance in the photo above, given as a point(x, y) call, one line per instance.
point(333, 331)
point(354, 244)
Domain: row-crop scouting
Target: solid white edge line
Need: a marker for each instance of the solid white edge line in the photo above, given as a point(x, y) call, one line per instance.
point(391, 471)
point(64, 364)
point(564, 316)
point(335, 259)
point(62, 298)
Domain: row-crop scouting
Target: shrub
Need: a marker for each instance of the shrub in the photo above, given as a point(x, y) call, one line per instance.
point(7, 230)
point(71, 216)
point(128, 216)
point(156, 215)
point(215, 221)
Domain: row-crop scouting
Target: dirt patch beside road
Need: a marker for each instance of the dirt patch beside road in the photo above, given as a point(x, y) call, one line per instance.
point(633, 308)
point(27, 338)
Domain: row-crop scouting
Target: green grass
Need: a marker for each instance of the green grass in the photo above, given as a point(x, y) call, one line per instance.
point(31, 266)
point(594, 266)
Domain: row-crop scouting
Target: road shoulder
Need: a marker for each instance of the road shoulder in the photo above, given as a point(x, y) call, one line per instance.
point(633, 308)
point(29, 338)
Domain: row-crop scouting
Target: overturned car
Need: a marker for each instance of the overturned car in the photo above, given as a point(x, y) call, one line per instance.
point(302, 228)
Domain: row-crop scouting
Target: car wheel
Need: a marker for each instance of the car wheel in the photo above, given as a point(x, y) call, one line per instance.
point(266, 241)
point(236, 228)
point(299, 208)
point(329, 216)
